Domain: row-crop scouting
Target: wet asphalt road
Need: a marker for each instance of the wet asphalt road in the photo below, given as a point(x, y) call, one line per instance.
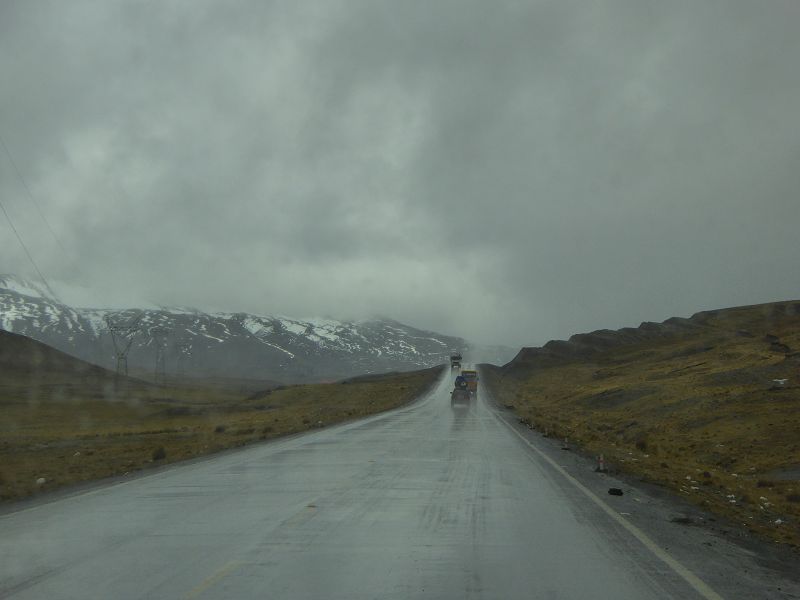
point(429, 501)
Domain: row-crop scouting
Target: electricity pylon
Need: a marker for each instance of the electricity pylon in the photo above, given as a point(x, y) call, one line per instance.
point(183, 351)
point(122, 336)
point(159, 335)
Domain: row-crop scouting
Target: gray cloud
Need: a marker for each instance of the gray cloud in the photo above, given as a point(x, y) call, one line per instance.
point(507, 171)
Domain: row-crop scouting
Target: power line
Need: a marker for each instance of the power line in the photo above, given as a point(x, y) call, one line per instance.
point(41, 214)
point(27, 252)
point(30, 195)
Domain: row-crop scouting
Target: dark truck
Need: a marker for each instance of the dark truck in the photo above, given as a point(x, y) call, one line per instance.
point(471, 377)
point(460, 393)
point(455, 361)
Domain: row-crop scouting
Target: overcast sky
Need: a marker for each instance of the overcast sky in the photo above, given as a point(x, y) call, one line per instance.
point(507, 171)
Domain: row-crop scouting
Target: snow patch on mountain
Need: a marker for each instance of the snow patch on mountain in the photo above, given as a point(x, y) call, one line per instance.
point(23, 286)
point(280, 348)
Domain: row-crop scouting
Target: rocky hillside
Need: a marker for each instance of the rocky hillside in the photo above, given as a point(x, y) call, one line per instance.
point(224, 344)
point(584, 346)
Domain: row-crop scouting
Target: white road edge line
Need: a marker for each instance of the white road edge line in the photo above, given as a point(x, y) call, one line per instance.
point(693, 580)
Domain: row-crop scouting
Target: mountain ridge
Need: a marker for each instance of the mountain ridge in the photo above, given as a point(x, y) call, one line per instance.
point(236, 344)
point(584, 345)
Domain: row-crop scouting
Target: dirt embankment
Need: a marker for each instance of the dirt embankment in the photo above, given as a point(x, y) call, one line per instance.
point(708, 407)
point(63, 421)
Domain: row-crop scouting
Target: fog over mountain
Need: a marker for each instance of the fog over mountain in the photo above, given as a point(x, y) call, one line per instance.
point(228, 345)
point(505, 172)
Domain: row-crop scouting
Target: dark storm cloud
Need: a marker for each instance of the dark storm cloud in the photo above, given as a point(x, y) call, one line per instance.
point(510, 172)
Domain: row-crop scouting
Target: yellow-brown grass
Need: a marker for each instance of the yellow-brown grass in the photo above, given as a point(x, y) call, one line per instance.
point(50, 428)
point(698, 413)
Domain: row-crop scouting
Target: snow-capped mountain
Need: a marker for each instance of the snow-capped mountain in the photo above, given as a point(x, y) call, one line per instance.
point(223, 344)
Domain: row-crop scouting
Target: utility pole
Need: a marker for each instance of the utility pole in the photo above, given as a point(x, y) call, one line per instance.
point(122, 336)
point(159, 337)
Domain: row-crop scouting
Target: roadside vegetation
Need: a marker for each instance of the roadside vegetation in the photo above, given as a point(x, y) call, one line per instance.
point(63, 421)
point(712, 413)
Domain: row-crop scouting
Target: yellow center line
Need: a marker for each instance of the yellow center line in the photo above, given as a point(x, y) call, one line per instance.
point(305, 513)
point(214, 578)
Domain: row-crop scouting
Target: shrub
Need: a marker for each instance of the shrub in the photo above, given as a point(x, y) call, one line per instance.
point(220, 429)
point(159, 453)
point(793, 497)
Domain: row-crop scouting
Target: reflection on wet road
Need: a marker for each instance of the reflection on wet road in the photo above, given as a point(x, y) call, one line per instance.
point(430, 501)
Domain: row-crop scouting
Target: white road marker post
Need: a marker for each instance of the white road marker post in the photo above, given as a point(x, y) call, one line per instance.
point(601, 465)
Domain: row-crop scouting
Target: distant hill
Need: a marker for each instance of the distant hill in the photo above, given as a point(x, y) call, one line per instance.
point(770, 319)
point(23, 355)
point(226, 345)
point(32, 371)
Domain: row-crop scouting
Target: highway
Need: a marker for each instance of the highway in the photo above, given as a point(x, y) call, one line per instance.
point(428, 501)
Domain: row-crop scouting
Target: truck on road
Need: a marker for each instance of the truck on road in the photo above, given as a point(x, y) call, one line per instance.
point(455, 360)
point(460, 393)
point(471, 378)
